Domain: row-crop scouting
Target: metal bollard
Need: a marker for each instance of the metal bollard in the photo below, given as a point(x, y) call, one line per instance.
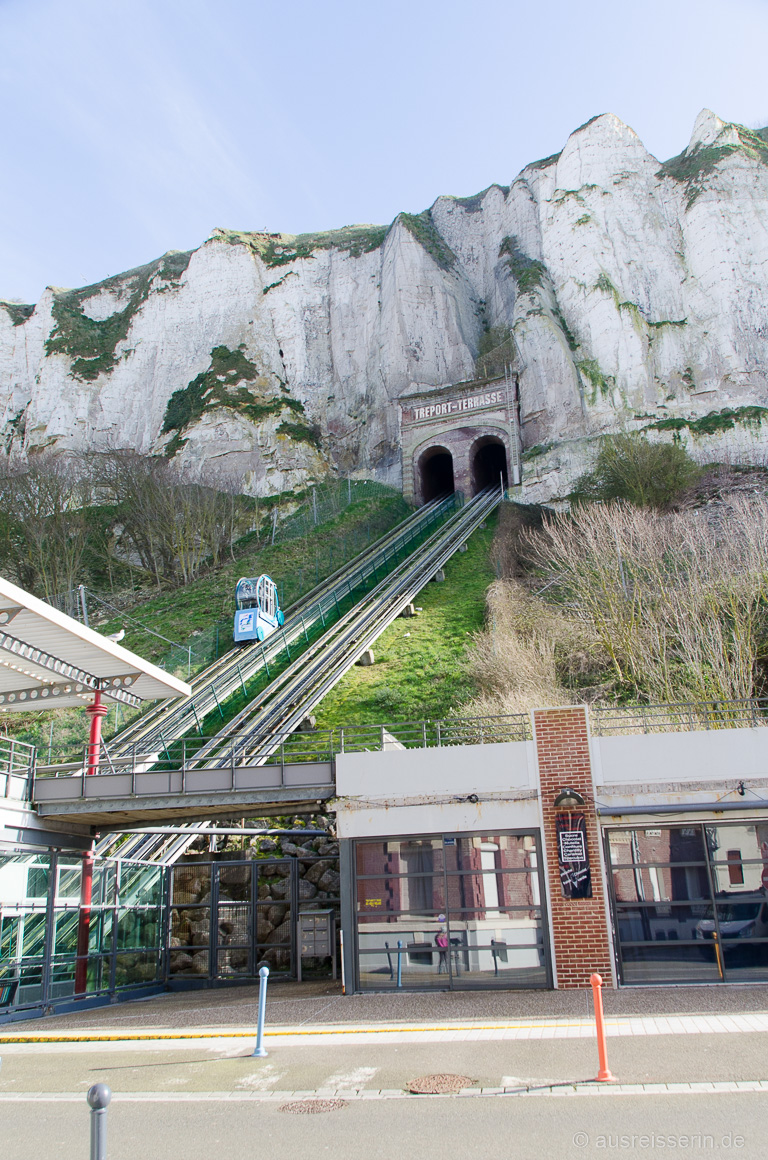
point(98, 1101)
point(604, 1074)
point(261, 1050)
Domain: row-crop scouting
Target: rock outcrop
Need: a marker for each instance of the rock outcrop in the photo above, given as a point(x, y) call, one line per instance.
point(630, 294)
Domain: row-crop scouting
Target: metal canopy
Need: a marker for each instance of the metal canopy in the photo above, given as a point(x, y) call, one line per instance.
point(50, 661)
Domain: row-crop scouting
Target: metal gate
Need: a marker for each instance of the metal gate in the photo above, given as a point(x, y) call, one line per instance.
point(224, 919)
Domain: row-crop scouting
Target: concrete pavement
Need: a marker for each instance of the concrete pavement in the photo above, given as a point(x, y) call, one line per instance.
point(690, 1064)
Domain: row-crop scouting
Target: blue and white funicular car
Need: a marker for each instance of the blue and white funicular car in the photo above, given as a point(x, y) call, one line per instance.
point(258, 609)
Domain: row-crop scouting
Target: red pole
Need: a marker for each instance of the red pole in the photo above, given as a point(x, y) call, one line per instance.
point(84, 924)
point(97, 712)
point(603, 1075)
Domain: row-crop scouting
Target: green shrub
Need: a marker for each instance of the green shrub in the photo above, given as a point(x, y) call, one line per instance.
point(631, 468)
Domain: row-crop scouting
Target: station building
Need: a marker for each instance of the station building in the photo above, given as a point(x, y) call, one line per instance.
point(632, 845)
point(464, 438)
point(508, 853)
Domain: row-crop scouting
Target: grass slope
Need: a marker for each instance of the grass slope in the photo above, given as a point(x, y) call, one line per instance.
point(420, 675)
point(296, 566)
point(178, 615)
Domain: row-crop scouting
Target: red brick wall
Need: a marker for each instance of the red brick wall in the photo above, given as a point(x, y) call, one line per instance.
point(580, 928)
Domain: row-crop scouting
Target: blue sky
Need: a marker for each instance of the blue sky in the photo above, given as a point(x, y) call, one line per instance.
point(131, 127)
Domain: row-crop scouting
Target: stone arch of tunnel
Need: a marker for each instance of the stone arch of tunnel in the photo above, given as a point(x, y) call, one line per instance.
point(488, 459)
point(436, 473)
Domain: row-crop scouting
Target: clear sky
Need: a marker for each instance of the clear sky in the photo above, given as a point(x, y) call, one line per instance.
point(131, 127)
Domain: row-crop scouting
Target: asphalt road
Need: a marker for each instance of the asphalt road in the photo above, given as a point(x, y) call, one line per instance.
point(430, 1128)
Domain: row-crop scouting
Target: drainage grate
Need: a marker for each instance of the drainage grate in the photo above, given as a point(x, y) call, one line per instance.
point(311, 1107)
point(438, 1085)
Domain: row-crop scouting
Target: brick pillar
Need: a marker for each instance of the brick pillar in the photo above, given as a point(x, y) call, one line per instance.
point(580, 927)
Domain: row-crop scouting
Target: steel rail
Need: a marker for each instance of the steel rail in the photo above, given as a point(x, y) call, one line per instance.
point(170, 721)
point(292, 696)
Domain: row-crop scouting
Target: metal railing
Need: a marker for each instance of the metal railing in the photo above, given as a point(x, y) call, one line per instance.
point(297, 748)
point(681, 716)
point(17, 767)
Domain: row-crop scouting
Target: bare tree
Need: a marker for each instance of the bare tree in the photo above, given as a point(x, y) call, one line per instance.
point(44, 522)
point(678, 601)
point(174, 526)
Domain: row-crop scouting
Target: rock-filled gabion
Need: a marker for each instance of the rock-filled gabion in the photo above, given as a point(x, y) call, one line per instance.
point(318, 885)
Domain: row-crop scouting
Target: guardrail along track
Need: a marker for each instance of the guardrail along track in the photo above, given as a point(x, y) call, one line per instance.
point(211, 688)
point(286, 702)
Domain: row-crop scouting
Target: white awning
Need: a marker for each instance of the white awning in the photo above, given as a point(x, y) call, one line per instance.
point(50, 661)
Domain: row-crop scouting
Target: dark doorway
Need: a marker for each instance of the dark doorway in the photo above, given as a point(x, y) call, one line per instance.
point(489, 463)
point(436, 472)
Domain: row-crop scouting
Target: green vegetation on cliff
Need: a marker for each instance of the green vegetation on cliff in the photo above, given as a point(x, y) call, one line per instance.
point(19, 312)
point(91, 343)
point(221, 386)
point(280, 249)
point(693, 168)
point(422, 227)
point(529, 273)
point(713, 423)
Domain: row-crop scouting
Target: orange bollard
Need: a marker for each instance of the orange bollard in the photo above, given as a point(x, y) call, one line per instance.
point(604, 1074)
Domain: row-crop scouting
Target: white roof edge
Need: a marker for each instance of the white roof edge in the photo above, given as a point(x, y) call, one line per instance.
point(89, 636)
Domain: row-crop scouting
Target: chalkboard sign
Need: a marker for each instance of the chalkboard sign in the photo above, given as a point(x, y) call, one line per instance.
point(573, 856)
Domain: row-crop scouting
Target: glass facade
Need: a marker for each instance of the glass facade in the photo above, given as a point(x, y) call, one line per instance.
point(690, 902)
point(52, 949)
point(450, 912)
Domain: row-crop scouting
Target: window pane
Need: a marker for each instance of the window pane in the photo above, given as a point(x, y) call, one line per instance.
point(415, 964)
point(732, 877)
point(426, 919)
point(662, 963)
point(741, 914)
point(662, 844)
point(69, 876)
point(661, 883)
point(417, 892)
point(750, 842)
point(141, 885)
point(665, 923)
point(497, 851)
point(406, 856)
point(745, 961)
point(138, 928)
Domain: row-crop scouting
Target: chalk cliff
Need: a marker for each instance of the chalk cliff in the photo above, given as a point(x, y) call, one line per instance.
point(627, 294)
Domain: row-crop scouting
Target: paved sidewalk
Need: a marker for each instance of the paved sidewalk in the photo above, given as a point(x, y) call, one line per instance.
point(689, 1063)
point(320, 1005)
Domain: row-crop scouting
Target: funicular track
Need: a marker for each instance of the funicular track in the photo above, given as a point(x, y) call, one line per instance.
point(251, 737)
point(262, 760)
point(166, 723)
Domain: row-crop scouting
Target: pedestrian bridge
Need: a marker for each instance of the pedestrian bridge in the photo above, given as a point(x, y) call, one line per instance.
point(189, 781)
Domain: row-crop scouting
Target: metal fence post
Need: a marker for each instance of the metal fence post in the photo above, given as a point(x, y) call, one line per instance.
point(261, 1050)
point(98, 1101)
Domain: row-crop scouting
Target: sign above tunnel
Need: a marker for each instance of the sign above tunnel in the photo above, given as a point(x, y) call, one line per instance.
point(465, 436)
point(456, 406)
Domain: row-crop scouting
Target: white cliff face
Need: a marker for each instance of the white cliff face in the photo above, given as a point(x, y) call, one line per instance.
point(636, 295)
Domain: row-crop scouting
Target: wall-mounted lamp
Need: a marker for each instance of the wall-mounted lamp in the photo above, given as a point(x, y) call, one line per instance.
point(568, 799)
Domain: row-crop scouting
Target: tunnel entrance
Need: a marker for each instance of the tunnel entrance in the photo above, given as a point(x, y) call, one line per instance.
point(436, 473)
point(489, 463)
